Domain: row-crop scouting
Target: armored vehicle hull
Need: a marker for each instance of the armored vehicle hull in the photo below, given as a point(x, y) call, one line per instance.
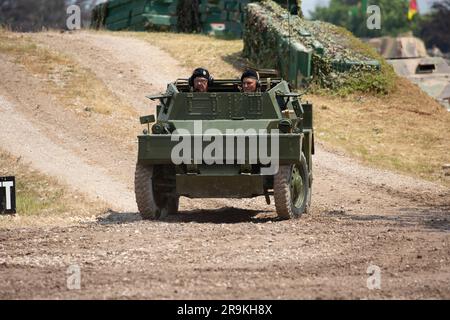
point(409, 58)
point(226, 144)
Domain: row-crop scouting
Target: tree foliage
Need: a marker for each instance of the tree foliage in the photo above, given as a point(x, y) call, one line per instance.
point(352, 15)
point(34, 15)
point(434, 28)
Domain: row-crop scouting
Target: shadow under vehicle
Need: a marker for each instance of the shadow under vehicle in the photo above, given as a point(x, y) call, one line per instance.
point(226, 144)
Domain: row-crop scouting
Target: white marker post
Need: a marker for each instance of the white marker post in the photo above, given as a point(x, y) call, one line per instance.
point(7, 195)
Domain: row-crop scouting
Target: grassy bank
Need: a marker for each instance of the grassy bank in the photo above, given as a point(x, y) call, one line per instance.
point(404, 131)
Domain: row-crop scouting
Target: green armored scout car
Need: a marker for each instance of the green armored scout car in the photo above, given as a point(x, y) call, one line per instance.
point(226, 144)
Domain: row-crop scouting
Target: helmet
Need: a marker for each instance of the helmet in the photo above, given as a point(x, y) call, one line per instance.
point(251, 74)
point(203, 73)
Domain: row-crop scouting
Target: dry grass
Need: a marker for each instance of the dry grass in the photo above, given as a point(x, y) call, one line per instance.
point(405, 131)
point(74, 86)
point(220, 56)
point(41, 199)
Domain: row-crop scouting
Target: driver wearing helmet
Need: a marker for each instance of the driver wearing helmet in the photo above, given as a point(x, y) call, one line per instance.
point(200, 80)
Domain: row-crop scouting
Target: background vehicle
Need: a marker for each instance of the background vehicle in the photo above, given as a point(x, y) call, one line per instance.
point(409, 58)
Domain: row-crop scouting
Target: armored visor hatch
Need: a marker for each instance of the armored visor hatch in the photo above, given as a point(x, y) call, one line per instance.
point(226, 144)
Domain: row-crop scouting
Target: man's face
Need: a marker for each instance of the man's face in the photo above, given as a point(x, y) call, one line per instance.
point(200, 84)
point(249, 85)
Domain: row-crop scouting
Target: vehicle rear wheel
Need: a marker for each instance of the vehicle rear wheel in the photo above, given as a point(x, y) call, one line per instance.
point(291, 190)
point(154, 187)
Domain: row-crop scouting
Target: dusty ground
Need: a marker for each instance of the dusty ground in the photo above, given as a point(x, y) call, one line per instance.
point(214, 249)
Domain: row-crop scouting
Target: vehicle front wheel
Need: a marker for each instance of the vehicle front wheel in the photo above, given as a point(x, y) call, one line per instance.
point(291, 190)
point(154, 187)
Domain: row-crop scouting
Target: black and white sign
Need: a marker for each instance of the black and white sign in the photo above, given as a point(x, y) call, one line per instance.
point(7, 195)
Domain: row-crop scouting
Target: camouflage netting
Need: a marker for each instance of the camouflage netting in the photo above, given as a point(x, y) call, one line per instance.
point(338, 61)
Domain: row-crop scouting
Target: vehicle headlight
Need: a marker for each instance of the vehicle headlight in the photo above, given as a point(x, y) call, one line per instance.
point(157, 128)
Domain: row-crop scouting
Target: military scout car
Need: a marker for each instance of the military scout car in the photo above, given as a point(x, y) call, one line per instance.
point(226, 144)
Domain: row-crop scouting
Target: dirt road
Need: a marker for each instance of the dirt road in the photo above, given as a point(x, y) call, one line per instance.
point(214, 249)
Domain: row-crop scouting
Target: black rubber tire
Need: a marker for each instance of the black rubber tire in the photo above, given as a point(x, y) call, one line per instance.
point(149, 202)
point(174, 203)
point(284, 203)
point(308, 204)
